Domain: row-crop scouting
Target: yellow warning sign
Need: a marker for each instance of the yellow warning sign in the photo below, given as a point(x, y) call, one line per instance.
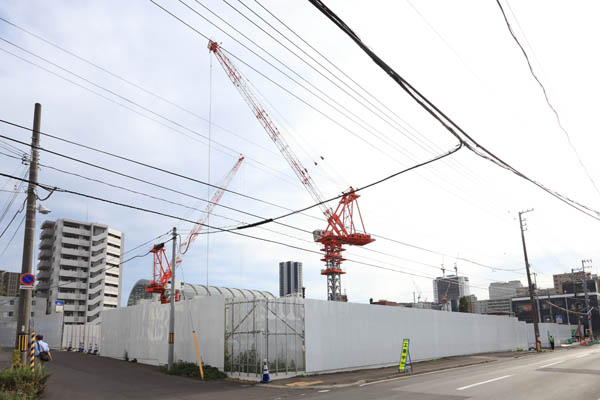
point(404, 356)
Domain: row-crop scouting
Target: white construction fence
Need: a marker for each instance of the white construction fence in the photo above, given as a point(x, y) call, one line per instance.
point(297, 336)
point(141, 331)
point(300, 336)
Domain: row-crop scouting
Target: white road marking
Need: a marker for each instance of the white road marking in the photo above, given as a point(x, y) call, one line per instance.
point(583, 355)
point(554, 363)
point(324, 391)
point(484, 382)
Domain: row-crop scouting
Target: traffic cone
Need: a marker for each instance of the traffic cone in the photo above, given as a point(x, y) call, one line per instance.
point(266, 378)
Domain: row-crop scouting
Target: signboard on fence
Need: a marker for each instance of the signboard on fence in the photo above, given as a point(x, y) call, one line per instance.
point(405, 356)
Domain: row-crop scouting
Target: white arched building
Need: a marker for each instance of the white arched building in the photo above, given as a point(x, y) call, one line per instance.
point(138, 292)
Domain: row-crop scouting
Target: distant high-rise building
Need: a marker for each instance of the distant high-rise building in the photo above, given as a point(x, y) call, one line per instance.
point(559, 279)
point(452, 288)
point(9, 283)
point(504, 290)
point(290, 278)
point(80, 264)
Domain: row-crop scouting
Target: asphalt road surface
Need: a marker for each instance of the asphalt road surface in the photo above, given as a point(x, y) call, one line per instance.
point(571, 374)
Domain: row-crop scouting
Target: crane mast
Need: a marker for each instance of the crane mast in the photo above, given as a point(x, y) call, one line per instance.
point(162, 268)
point(341, 228)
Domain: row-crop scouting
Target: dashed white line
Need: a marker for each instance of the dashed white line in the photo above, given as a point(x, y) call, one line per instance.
point(484, 382)
point(583, 355)
point(324, 391)
point(548, 365)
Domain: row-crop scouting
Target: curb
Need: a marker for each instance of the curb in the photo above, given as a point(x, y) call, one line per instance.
point(363, 381)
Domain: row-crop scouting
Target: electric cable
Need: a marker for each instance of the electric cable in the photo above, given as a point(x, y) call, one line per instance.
point(13, 236)
point(200, 199)
point(554, 111)
point(163, 214)
point(443, 119)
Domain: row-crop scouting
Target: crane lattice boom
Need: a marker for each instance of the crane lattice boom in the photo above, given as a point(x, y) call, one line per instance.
point(341, 228)
point(162, 268)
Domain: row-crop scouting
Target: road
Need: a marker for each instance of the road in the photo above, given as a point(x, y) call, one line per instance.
point(560, 375)
point(570, 374)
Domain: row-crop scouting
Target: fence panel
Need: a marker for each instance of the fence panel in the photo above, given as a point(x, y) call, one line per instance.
point(257, 330)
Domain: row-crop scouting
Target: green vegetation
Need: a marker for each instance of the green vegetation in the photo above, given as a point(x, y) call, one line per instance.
point(463, 304)
point(183, 368)
point(21, 383)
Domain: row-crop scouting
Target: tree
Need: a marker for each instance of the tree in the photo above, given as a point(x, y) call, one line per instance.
point(463, 304)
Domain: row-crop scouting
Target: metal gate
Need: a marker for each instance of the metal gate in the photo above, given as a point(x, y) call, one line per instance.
point(257, 330)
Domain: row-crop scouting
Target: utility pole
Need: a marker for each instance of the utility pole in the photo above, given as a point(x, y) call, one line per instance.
point(550, 307)
point(537, 295)
point(172, 310)
point(587, 299)
point(533, 305)
point(24, 312)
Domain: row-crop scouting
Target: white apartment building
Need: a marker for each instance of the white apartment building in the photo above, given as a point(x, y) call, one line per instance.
point(80, 264)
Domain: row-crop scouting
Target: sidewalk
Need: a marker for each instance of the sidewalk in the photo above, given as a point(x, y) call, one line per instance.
point(352, 378)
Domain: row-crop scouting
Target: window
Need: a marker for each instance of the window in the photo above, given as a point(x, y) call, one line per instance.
point(5, 314)
point(10, 313)
point(33, 302)
point(12, 303)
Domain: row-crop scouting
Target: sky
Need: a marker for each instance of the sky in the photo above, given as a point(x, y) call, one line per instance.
point(162, 99)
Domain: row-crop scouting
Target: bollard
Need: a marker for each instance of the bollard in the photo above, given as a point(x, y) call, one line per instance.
point(32, 351)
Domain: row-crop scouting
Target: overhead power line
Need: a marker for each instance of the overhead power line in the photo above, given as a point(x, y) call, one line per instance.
point(443, 119)
point(127, 159)
point(56, 189)
point(554, 111)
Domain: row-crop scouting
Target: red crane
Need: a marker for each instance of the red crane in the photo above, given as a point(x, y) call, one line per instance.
point(162, 268)
point(341, 228)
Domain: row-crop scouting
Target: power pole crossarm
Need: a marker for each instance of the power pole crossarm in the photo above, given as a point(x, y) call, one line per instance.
point(27, 263)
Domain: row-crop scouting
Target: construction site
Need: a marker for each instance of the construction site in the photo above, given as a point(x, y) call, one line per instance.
point(277, 192)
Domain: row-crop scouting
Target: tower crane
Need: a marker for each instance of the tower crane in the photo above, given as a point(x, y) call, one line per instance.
point(162, 268)
point(341, 228)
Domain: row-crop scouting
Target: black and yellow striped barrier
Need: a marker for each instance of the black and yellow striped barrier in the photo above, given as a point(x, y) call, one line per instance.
point(32, 351)
point(22, 342)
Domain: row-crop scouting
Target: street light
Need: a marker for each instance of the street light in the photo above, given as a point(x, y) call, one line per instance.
point(42, 210)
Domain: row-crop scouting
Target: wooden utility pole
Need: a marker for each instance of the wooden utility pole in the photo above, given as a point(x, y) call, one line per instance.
point(533, 304)
point(587, 299)
point(24, 311)
point(172, 308)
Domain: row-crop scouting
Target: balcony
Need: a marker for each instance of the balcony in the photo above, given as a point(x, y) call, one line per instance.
point(43, 275)
point(71, 296)
point(73, 263)
point(45, 254)
point(73, 285)
point(75, 241)
point(73, 274)
point(74, 252)
point(46, 244)
point(74, 307)
point(76, 231)
point(74, 319)
point(43, 265)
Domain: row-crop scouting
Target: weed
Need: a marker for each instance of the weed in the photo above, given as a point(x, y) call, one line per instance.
point(182, 368)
